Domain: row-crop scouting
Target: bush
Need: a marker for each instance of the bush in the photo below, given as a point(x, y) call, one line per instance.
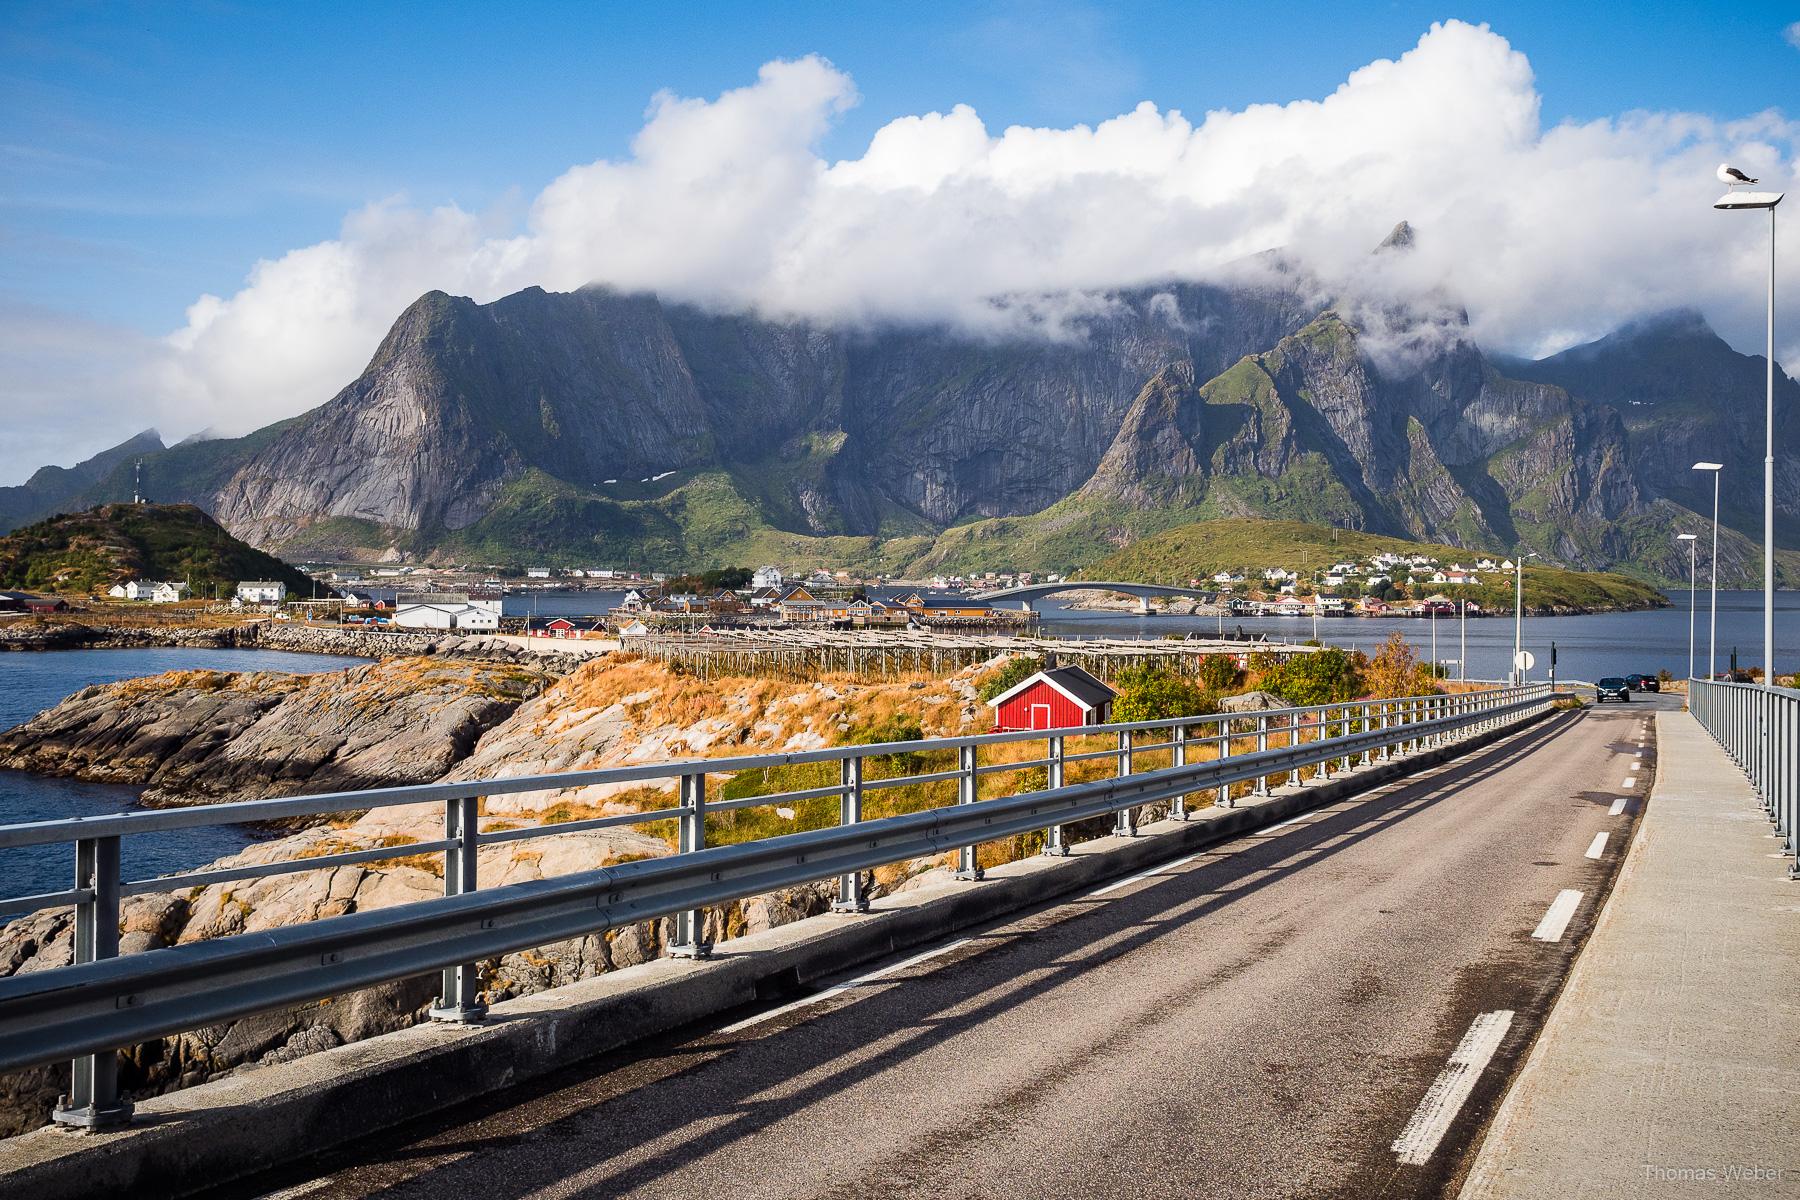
point(1396, 671)
point(895, 727)
point(1218, 672)
point(1324, 677)
point(1148, 692)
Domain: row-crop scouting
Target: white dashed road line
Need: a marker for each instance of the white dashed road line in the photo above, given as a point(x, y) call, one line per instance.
point(1597, 847)
point(1556, 918)
point(848, 985)
point(1618, 807)
point(1444, 1099)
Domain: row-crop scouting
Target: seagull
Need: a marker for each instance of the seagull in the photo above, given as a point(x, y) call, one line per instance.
point(1731, 176)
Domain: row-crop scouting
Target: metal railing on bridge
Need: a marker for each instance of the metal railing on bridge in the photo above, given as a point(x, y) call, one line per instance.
point(1759, 727)
point(103, 1002)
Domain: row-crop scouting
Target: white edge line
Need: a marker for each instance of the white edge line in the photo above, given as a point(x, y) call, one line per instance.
point(1557, 916)
point(1444, 1098)
point(1618, 807)
point(847, 985)
point(1597, 847)
point(1116, 884)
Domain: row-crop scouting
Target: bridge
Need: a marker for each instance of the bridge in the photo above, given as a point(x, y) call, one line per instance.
point(1300, 950)
point(1143, 591)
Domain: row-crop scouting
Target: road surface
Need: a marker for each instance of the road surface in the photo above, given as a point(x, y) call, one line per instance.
point(1328, 1008)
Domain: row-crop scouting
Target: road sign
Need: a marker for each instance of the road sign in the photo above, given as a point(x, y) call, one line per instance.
point(1524, 660)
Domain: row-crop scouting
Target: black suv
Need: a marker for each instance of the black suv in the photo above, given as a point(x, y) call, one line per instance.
point(1644, 683)
point(1612, 688)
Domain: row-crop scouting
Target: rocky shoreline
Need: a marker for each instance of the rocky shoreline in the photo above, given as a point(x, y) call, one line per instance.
point(26, 636)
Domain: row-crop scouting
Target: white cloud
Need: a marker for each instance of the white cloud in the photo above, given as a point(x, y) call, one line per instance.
point(1548, 235)
point(1792, 34)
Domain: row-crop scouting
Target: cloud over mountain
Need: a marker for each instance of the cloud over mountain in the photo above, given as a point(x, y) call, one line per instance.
point(1547, 235)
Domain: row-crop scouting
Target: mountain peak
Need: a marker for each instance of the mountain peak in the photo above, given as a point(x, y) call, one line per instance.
point(1401, 237)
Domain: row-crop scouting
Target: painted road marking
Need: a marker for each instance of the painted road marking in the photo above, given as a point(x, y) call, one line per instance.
point(1557, 916)
point(1283, 825)
point(1618, 807)
point(1630, 781)
point(1444, 1098)
point(849, 985)
point(1597, 847)
point(1116, 884)
point(1637, 754)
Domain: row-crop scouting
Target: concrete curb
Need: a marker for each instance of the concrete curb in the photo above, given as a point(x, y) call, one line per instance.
point(260, 1117)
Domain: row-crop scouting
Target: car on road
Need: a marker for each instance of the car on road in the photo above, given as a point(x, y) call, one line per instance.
point(1613, 687)
point(1644, 683)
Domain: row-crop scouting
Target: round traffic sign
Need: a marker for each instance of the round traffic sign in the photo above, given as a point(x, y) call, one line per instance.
point(1524, 660)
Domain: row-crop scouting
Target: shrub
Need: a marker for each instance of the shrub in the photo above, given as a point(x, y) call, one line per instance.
point(1324, 677)
point(1148, 692)
point(1218, 672)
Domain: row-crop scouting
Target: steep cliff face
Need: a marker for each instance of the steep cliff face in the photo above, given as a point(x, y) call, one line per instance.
point(594, 427)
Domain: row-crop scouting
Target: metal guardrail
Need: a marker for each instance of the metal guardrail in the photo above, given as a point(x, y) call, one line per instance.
point(1759, 727)
point(103, 1002)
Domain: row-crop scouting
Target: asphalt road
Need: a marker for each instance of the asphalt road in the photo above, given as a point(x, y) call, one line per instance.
point(1277, 1016)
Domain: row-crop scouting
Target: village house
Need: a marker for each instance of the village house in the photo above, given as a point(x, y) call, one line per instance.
point(1054, 698)
point(766, 577)
point(168, 593)
point(261, 591)
point(447, 610)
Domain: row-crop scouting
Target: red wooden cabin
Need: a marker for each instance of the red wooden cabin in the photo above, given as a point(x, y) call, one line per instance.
point(1058, 698)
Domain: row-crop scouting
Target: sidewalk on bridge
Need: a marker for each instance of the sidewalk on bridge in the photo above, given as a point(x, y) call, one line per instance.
point(1670, 1064)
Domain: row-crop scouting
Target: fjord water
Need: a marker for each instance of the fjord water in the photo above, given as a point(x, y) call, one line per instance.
point(31, 681)
point(1588, 647)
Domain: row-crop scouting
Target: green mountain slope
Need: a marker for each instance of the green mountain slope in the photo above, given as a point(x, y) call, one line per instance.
point(87, 552)
point(1199, 550)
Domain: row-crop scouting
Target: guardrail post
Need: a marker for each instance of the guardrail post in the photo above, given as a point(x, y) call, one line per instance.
point(690, 927)
point(459, 1001)
point(968, 865)
point(1178, 810)
point(1262, 745)
point(1344, 731)
point(1224, 723)
point(1367, 723)
point(1324, 771)
point(851, 897)
point(1127, 823)
point(1054, 844)
point(1297, 727)
point(93, 1101)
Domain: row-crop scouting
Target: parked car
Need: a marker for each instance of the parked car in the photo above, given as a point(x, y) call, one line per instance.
point(1612, 687)
point(1646, 683)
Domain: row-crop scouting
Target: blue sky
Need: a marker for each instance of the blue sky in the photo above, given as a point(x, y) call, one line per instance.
point(210, 213)
point(150, 153)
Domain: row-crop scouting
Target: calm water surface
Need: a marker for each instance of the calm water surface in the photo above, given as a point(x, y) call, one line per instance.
point(33, 681)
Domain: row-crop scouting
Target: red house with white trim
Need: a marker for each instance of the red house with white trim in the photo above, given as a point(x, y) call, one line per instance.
point(1057, 698)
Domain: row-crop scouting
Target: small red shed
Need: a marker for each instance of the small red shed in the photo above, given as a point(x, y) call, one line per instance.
point(1057, 698)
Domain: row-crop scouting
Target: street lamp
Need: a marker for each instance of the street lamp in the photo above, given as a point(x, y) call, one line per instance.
point(1692, 541)
point(1712, 631)
point(1518, 570)
point(1736, 198)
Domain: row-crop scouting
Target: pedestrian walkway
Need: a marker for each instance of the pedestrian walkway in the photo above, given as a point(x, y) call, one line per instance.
point(1670, 1065)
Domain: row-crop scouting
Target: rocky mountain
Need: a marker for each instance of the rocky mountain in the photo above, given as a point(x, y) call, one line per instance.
point(595, 428)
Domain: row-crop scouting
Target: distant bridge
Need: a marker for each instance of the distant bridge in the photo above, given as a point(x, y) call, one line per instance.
point(1143, 591)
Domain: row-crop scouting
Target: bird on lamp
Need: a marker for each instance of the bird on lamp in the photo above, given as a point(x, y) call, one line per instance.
point(1730, 176)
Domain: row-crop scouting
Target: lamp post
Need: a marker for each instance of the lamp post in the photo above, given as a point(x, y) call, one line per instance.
point(1518, 566)
point(1712, 623)
point(1733, 199)
point(1692, 541)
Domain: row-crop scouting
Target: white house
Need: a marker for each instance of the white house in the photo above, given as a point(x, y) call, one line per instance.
point(634, 629)
point(168, 593)
point(766, 577)
point(537, 572)
point(262, 591)
point(447, 610)
point(117, 591)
